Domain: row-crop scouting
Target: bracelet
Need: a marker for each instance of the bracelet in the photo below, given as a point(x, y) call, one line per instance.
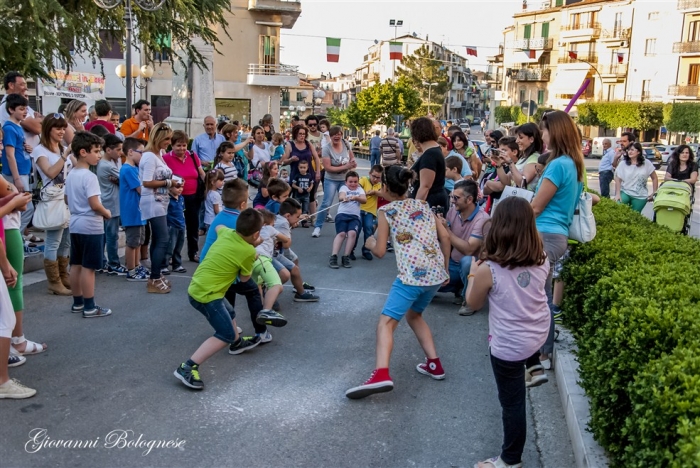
point(470, 276)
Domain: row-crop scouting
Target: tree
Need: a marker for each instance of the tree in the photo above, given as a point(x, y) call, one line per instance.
point(682, 117)
point(41, 36)
point(359, 115)
point(338, 117)
point(504, 114)
point(420, 67)
point(390, 99)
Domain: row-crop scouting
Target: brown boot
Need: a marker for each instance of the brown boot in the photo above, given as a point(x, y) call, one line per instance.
point(63, 271)
point(54, 278)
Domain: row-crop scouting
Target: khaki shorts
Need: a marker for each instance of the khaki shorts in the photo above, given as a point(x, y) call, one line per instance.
point(135, 236)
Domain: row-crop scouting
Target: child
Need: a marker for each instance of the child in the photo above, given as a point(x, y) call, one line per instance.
point(129, 200)
point(422, 252)
point(284, 174)
point(277, 147)
point(453, 172)
point(513, 276)
point(86, 224)
point(508, 151)
point(223, 161)
point(263, 271)
point(230, 259)
point(176, 229)
point(372, 185)
point(270, 171)
point(302, 186)
point(212, 204)
point(279, 192)
point(347, 220)
point(324, 126)
point(108, 177)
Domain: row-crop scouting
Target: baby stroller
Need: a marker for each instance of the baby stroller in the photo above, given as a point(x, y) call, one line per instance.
point(673, 205)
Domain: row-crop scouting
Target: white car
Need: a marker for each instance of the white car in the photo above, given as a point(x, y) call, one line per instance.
point(666, 152)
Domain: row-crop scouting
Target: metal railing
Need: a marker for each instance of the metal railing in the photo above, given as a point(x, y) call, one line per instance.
point(279, 70)
point(616, 33)
point(534, 43)
point(533, 74)
point(577, 26)
point(684, 90)
point(619, 69)
point(688, 4)
point(591, 58)
point(686, 47)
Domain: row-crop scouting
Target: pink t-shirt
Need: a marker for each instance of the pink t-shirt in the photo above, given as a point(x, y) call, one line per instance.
point(518, 312)
point(185, 169)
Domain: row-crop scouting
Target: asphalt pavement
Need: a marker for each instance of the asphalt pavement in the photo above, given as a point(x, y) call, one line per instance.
point(283, 404)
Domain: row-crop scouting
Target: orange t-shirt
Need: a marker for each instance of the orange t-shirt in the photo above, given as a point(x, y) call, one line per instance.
point(130, 126)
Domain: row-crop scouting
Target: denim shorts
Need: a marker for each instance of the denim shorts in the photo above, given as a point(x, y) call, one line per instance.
point(281, 262)
point(86, 250)
point(403, 297)
point(219, 314)
point(346, 223)
point(559, 264)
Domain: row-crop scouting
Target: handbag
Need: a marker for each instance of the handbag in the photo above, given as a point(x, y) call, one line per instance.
point(583, 227)
point(255, 176)
point(514, 192)
point(51, 211)
point(201, 186)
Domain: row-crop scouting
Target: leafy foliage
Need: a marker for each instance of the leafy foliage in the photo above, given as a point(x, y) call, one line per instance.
point(682, 117)
point(637, 115)
point(420, 67)
point(381, 102)
point(338, 117)
point(504, 114)
point(39, 34)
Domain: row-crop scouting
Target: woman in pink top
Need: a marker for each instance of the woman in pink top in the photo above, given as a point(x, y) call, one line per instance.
point(513, 277)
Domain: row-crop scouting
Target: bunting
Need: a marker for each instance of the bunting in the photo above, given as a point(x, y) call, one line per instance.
point(395, 50)
point(332, 49)
point(573, 55)
point(530, 53)
point(471, 50)
point(620, 57)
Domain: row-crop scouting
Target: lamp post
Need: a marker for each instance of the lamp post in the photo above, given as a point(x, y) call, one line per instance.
point(318, 96)
point(430, 87)
point(148, 5)
point(145, 72)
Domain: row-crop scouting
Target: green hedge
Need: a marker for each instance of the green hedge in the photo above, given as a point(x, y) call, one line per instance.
point(633, 303)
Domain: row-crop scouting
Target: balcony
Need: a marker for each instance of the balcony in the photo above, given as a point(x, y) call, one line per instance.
point(289, 10)
point(533, 74)
point(613, 73)
point(686, 48)
point(615, 34)
point(688, 91)
point(284, 76)
point(295, 104)
point(457, 104)
point(579, 32)
point(536, 43)
point(687, 5)
point(590, 58)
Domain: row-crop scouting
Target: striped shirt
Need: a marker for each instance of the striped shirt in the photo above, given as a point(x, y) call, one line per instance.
point(229, 170)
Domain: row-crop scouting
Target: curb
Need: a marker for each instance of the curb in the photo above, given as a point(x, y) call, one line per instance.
point(587, 452)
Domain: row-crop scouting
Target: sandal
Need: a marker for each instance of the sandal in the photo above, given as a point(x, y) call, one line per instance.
point(30, 348)
point(534, 368)
point(496, 462)
point(34, 238)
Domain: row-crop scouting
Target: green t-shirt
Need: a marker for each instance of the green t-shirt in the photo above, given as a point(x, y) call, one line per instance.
point(230, 256)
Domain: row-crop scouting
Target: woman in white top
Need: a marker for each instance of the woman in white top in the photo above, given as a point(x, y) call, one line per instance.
point(631, 178)
point(157, 178)
point(529, 139)
point(53, 163)
point(75, 114)
point(259, 152)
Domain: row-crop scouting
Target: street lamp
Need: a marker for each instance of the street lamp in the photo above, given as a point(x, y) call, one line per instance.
point(430, 87)
point(318, 96)
point(145, 72)
point(148, 5)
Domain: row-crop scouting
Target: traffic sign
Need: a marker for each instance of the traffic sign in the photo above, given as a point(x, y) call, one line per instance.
point(529, 108)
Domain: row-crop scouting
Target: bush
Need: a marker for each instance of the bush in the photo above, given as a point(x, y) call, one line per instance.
point(632, 303)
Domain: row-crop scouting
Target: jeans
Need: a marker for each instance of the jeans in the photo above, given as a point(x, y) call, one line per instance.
point(330, 190)
point(57, 244)
point(374, 157)
point(29, 212)
point(304, 199)
point(250, 290)
point(510, 382)
point(605, 178)
point(458, 276)
point(174, 252)
point(112, 241)
point(159, 244)
point(220, 316)
point(369, 225)
point(555, 246)
point(192, 207)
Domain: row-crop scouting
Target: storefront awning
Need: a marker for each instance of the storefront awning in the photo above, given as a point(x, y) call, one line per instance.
point(568, 80)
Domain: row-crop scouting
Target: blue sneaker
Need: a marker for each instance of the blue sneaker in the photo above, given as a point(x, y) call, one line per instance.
point(116, 270)
point(136, 275)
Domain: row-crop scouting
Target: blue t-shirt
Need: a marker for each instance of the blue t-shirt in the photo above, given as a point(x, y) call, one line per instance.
point(559, 212)
point(176, 213)
point(129, 198)
point(466, 170)
point(279, 152)
point(14, 136)
point(273, 206)
point(227, 218)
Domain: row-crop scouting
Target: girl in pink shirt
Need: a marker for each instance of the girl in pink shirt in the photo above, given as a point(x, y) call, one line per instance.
point(512, 276)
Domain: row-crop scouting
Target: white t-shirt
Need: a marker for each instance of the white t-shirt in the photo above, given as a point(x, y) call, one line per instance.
point(267, 234)
point(154, 202)
point(42, 151)
point(350, 208)
point(12, 220)
point(81, 184)
point(213, 198)
point(31, 138)
point(261, 155)
point(282, 226)
point(230, 172)
point(634, 178)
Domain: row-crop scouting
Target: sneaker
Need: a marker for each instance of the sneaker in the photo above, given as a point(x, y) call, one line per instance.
point(559, 318)
point(465, 310)
point(345, 260)
point(242, 346)
point(263, 337)
point(180, 269)
point(316, 233)
point(144, 270)
point(432, 368)
point(270, 317)
point(137, 275)
point(189, 375)
point(118, 270)
point(157, 286)
point(389, 247)
point(367, 255)
point(330, 219)
point(333, 262)
point(308, 287)
point(14, 390)
point(102, 270)
point(164, 271)
point(146, 263)
point(77, 309)
point(15, 360)
point(377, 383)
point(30, 250)
point(352, 256)
point(306, 297)
point(97, 312)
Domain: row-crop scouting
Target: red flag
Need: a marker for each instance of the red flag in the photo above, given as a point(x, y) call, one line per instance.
point(573, 55)
point(471, 51)
point(530, 53)
point(620, 57)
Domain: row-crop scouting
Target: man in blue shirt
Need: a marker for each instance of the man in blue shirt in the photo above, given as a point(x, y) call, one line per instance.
point(205, 144)
point(374, 151)
point(606, 172)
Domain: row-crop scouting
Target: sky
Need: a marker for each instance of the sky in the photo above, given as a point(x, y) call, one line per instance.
point(456, 24)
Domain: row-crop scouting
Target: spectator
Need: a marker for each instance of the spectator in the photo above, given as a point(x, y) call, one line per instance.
point(429, 184)
point(205, 144)
point(140, 125)
point(104, 113)
point(606, 172)
point(374, 150)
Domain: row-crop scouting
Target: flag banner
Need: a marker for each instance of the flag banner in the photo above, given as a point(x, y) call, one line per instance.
point(620, 57)
point(471, 50)
point(332, 49)
point(531, 53)
point(573, 55)
point(74, 85)
point(395, 50)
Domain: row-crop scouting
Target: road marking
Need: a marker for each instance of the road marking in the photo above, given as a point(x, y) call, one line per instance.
point(345, 290)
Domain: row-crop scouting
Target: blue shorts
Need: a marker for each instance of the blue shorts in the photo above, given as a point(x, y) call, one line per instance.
point(219, 314)
point(403, 297)
point(86, 250)
point(346, 223)
point(281, 262)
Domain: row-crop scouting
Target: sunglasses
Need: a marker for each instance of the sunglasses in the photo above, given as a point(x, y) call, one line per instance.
point(313, 125)
point(163, 127)
point(58, 116)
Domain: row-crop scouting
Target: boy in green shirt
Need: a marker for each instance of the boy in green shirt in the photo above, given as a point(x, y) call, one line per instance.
point(230, 258)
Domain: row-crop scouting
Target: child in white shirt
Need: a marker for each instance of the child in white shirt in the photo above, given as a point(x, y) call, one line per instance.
point(347, 221)
point(264, 272)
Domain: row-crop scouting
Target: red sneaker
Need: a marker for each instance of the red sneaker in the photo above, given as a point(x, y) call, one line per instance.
point(431, 367)
point(378, 382)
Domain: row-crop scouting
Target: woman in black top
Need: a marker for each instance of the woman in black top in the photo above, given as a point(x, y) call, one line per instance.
point(682, 166)
point(430, 167)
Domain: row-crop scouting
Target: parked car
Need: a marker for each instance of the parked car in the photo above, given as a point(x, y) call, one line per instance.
point(666, 152)
point(465, 126)
point(597, 145)
point(652, 154)
point(586, 147)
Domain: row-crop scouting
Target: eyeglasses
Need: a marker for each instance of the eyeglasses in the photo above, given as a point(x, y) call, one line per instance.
point(139, 151)
point(455, 197)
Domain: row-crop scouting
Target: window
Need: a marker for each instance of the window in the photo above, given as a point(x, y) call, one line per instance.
point(109, 45)
point(559, 3)
point(618, 21)
point(528, 31)
point(650, 47)
point(540, 97)
point(300, 98)
point(576, 21)
point(522, 95)
point(654, 15)
point(611, 92)
point(646, 86)
point(694, 31)
point(694, 74)
point(545, 30)
point(234, 109)
point(268, 50)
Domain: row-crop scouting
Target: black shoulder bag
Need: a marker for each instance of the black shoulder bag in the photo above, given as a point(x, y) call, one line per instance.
point(201, 187)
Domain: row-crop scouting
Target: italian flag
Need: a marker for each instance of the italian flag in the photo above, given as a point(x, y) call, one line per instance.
point(395, 50)
point(332, 49)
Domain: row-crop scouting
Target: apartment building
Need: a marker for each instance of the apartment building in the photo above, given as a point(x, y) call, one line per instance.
point(686, 85)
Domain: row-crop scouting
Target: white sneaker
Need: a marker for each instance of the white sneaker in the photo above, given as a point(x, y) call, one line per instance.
point(15, 390)
point(316, 233)
point(264, 337)
point(239, 329)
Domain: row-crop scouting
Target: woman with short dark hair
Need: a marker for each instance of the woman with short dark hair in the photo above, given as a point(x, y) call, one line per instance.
point(430, 168)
